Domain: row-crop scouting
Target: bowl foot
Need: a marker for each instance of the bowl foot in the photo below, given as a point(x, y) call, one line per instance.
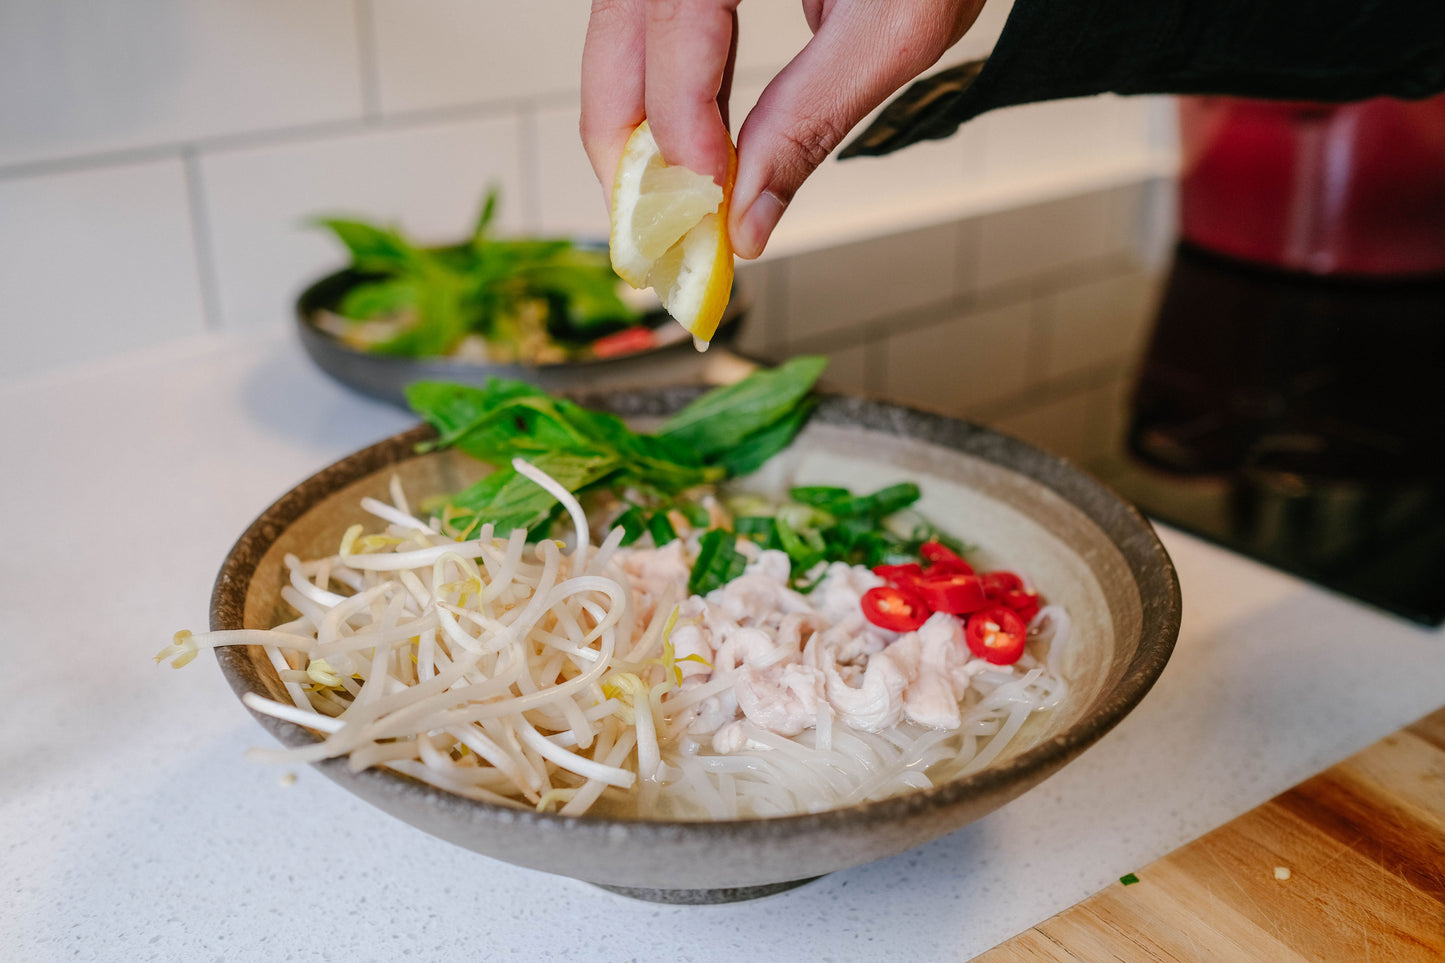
point(702, 897)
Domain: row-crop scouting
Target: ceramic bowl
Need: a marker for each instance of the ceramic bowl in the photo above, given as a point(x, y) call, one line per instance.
point(386, 376)
point(1082, 545)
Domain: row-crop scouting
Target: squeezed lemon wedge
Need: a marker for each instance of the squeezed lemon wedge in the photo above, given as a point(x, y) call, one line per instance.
point(669, 233)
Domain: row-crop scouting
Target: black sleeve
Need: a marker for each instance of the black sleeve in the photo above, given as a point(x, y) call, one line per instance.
point(1318, 50)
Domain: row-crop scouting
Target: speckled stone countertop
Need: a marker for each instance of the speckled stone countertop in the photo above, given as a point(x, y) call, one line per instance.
point(131, 828)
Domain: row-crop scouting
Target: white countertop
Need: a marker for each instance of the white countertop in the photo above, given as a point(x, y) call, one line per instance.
point(131, 828)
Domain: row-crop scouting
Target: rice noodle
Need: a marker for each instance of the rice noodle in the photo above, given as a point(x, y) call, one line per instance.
point(532, 675)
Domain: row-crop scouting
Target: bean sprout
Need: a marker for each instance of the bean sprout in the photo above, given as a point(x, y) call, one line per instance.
point(548, 677)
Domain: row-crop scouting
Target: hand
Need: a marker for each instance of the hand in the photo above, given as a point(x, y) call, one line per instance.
point(670, 61)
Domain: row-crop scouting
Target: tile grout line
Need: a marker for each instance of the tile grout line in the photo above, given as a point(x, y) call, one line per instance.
point(1040, 336)
point(369, 61)
point(1053, 390)
point(1033, 290)
point(529, 160)
point(201, 239)
point(273, 136)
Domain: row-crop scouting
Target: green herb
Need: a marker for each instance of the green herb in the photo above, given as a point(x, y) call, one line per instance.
point(530, 299)
point(588, 450)
point(1129, 879)
point(695, 514)
point(718, 562)
point(750, 454)
point(760, 526)
point(828, 523)
point(730, 416)
point(659, 526)
point(632, 523)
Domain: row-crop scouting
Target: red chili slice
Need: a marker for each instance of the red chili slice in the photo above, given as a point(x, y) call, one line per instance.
point(1026, 604)
point(891, 607)
point(1008, 589)
point(953, 592)
point(626, 341)
point(902, 575)
point(999, 582)
point(940, 554)
point(996, 634)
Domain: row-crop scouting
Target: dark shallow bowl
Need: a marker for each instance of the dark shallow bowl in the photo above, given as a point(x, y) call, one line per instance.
point(386, 376)
point(1081, 544)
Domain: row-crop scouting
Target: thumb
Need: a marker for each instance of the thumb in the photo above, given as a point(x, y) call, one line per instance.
point(861, 54)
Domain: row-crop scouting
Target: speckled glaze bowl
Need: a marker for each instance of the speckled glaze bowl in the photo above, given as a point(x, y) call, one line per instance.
point(385, 377)
point(1081, 544)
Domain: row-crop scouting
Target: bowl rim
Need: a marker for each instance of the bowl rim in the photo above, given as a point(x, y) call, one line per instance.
point(1124, 526)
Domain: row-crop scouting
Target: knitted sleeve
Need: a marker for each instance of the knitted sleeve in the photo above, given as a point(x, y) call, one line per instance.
point(1317, 50)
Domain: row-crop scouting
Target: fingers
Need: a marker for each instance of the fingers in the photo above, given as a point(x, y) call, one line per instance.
point(612, 83)
point(861, 52)
point(670, 61)
point(689, 46)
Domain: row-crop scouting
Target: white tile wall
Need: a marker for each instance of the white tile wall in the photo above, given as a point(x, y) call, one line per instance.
point(770, 33)
point(93, 262)
point(441, 53)
point(847, 370)
point(1097, 322)
point(764, 330)
point(570, 199)
point(1016, 245)
point(88, 76)
point(429, 180)
point(1109, 415)
point(827, 291)
point(1021, 143)
point(171, 149)
point(843, 199)
point(1061, 426)
point(962, 363)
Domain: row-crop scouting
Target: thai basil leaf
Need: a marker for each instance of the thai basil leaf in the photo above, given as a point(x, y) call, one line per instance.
point(509, 499)
point(753, 452)
point(722, 418)
point(374, 249)
point(379, 299)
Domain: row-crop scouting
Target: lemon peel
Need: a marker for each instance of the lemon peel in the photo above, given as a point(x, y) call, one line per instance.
point(669, 232)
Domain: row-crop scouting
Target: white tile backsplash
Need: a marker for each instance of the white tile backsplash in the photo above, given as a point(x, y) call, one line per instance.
point(844, 197)
point(94, 263)
point(959, 364)
point(844, 200)
point(88, 76)
point(441, 53)
point(1061, 426)
point(1018, 244)
point(570, 199)
point(847, 370)
point(763, 329)
point(429, 180)
point(1097, 322)
point(770, 33)
point(175, 148)
point(828, 291)
point(1031, 140)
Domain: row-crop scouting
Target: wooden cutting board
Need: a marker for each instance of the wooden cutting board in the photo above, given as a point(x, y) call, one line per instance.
point(1349, 865)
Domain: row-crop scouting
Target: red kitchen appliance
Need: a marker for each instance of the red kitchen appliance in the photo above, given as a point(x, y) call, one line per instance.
point(1327, 189)
point(1289, 404)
